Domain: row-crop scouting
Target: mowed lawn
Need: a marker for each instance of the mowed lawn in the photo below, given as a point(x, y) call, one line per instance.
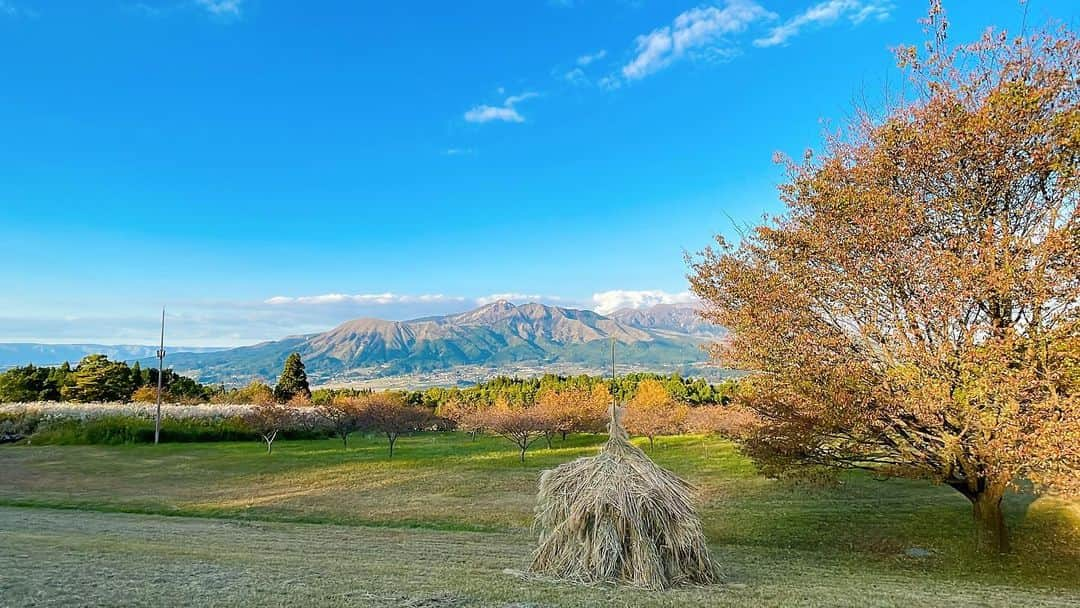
point(225, 524)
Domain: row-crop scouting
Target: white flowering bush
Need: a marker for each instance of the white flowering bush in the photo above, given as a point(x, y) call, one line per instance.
point(90, 411)
point(120, 422)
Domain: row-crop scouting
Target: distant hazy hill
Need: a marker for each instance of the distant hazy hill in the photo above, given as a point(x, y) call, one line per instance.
point(680, 319)
point(12, 354)
point(499, 334)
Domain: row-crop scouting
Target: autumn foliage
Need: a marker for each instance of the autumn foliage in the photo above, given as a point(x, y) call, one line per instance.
point(268, 419)
point(917, 309)
point(653, 411)
point(573, 410)
point(389, 415)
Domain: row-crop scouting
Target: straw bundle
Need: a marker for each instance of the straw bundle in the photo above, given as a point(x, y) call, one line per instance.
point(618, 517)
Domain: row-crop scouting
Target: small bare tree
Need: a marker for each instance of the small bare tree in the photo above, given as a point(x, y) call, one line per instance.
point(387, 413)
point(465, 415)
point(520, 425)
point(268, 419)
point(345, 416)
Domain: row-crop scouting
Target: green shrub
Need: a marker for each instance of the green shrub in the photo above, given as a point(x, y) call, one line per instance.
point(23, 423)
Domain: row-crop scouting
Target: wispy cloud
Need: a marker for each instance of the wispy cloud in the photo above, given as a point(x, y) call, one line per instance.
point(588, 58)
point(504, 113)
point(696, 30)
point(8, 9)
point(577, 74)
point(606, 302)
point(826, 13)
point(361, 298)
point(459, 152)
point(231, 9)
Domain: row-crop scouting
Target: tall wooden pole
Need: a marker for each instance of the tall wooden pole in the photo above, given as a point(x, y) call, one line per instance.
point(160, 374)
point(614, 387)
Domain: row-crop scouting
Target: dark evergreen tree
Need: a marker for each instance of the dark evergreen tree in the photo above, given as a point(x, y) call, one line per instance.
point(293, 381)
point(137, 379)
point(98, 379)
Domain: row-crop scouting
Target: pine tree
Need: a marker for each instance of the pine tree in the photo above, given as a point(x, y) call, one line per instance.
point(293, 381)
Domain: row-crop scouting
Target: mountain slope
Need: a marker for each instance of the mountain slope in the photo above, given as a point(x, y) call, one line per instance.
point(495, 335)
point(680, 319)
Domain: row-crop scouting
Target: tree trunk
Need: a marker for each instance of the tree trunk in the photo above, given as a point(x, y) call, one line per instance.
point(992, 536)
point(523, 454)
point(651, 444)
point(392, 439)
point(547, 437)
point(345, 441)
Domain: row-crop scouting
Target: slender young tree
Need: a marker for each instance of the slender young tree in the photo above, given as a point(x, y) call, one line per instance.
point(572, 409)
point(389, 414)
point(520, 425)
point(653, 411)
point(345, 415)
point(916, 311)
point(268, 420)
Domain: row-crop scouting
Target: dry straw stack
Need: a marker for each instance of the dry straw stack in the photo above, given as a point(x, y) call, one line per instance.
point(618, 517)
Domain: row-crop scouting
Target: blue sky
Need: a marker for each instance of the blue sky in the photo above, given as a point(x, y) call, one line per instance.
point(271, 167)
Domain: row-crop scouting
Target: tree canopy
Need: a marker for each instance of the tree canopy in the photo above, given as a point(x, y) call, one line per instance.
point(916, 310)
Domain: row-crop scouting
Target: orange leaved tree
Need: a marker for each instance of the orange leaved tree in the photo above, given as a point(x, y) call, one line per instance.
point(653, 411)
point(389, 414)
point(573, 410)
point(518, 424)
point(916, 310)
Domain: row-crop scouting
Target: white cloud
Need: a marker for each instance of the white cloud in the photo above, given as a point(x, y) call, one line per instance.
point(606, 302)
point(586, 59)
point(221, 8)
point(515, 99)
point(576, 76)
point(697, 29)
point(482, 114)
point(458, 151)
point(610, 83)
point(504, 113)
point(364, 298)
point(825, 13)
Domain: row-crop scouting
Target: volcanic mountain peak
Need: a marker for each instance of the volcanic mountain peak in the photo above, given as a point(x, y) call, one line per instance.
point(498, 333)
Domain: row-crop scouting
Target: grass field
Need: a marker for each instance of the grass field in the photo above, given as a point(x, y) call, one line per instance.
point(224, 524)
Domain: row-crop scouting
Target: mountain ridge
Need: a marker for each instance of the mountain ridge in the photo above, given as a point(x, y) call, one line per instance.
point(498, 335)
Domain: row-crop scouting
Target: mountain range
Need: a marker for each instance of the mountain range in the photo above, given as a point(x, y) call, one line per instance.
point(496, 338)
point(22, 353)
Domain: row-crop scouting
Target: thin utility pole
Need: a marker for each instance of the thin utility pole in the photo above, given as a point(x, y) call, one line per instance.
point(614, 387)
point(160, 372)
